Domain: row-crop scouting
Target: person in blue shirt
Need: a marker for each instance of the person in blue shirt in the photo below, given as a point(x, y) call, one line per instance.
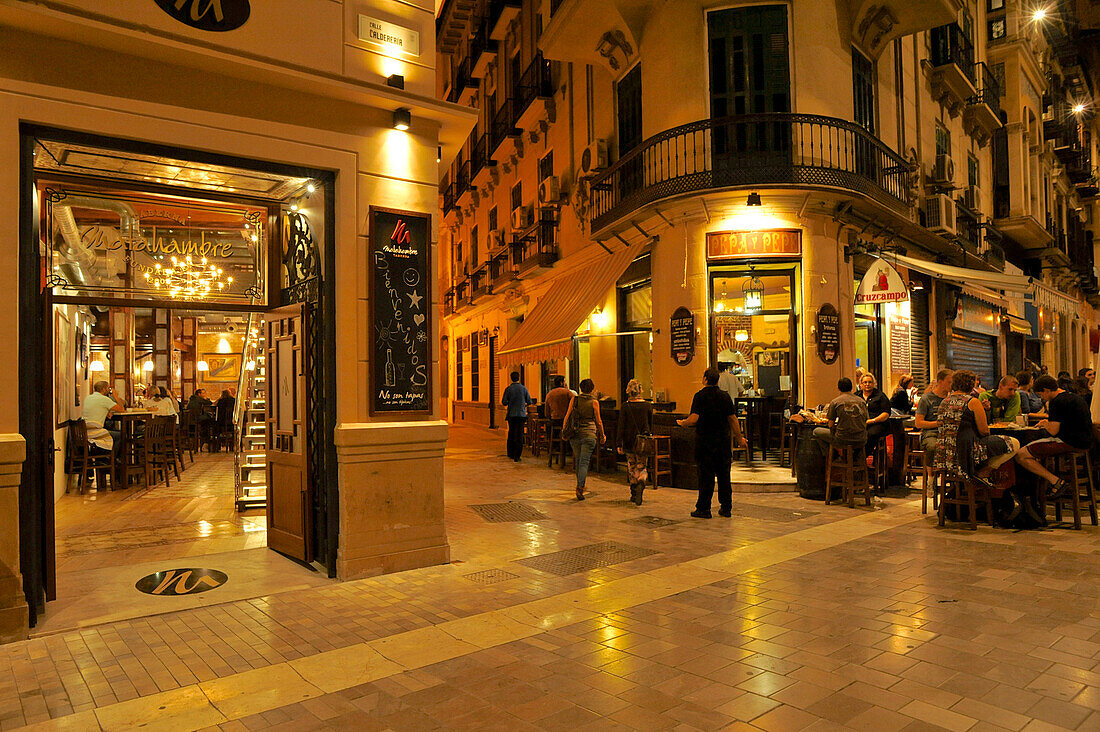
point(516, 398)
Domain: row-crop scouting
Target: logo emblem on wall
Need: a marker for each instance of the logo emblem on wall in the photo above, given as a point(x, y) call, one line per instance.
point(208, 15)
point(188, 581)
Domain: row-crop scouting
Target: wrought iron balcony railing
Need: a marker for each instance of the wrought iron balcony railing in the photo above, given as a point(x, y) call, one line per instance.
point(448, 198)
point(951, 46)
point(751, 150)
point(533, 83)
point(503, 125)
point(536, 247)
point(989, 91)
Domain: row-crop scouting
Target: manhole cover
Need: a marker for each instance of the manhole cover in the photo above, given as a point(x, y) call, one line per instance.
point(652, 522)
point(585, 558)
point(499, 513)
point(490, 576)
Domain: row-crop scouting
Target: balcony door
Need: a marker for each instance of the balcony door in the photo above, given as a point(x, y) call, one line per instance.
point(628, 99)
point(749, 74)
point(863, 94)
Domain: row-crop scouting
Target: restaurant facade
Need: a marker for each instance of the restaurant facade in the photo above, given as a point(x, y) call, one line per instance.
point(283, 154)
point(798, 190)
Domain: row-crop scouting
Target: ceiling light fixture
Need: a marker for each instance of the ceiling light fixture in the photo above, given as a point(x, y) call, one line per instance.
point(188, 278)
point(402, 118)
point(753, 290)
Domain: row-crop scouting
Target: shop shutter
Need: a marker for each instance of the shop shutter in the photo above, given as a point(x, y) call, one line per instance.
point(918, 337)
point(974, 352)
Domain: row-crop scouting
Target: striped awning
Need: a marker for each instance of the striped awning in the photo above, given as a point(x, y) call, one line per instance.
point(547, 332)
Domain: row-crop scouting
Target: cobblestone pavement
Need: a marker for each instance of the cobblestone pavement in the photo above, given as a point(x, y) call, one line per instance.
point(603, 615)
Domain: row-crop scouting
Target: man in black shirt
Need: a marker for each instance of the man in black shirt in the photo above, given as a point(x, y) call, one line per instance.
point(713, 417)
point(1069, 424)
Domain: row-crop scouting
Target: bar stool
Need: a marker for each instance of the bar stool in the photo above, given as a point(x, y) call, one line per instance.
point(851, 462)
point(916, 465)
point(173, 446)
point(790, 445)
point(955, 490)
point(880, 466)
point(540, 434)
point(1076, 469)
point(154, 452)
point(558, 445)
point(662, 459)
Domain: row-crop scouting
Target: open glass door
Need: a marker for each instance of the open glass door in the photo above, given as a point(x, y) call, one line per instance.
point(290, 498)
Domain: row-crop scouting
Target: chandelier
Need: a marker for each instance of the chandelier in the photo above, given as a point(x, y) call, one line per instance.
point(188, 278)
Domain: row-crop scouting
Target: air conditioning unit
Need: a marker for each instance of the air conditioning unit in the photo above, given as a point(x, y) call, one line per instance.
point(550, 190)
point(594, 157)
point(496, 239)
point(943, 172)
point(939, 214)
point(521, 217)
point(972, 198)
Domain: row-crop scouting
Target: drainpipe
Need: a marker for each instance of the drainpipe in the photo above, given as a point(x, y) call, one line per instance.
point(80, 256)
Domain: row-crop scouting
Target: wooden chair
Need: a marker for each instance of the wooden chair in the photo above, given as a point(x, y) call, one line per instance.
point(850, 461)
point(84, 461)
point(1076, 469)
point(154, 451)
point(955, 490)
point(188, 435)
point(174, 446)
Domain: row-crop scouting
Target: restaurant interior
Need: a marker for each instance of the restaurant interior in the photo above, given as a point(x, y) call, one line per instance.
point(159, 270)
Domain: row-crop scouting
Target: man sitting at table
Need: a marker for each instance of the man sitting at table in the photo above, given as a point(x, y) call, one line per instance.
point(558, 398)
point(1069, 425)
point(98, 408)
point(847, 417)
point(927, 419)
point(198, 410)
point(1002, 405)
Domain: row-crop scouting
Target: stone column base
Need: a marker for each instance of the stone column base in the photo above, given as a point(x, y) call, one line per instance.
point(391, 497)
point(13, 605)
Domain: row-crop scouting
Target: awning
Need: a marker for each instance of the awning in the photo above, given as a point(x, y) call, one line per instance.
point(972, 279)
point(1051, 299)
point(1017, 324)
point(547, 331)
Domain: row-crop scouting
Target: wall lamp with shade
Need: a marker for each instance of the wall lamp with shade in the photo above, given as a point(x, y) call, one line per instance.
point(96, 367)
point(224, 347)
point(202, 366)
point(741, 336)
point(402, 118)
point(599, 318)
point(148, 365)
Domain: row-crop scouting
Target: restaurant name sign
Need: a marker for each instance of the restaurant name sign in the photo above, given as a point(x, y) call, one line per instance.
point(208, 15)
point(882, 283)
point(390, 38)
point(763, 243)
point(107, 239)
point(682, 336)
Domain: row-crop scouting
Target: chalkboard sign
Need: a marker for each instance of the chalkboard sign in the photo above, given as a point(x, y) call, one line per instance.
point(400, 310)
point(682, 335)
point(828, 334)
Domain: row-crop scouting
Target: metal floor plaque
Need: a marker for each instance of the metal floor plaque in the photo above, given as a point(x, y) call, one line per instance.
point(500, 513)
point(652, 522)
point(585, 558)
point(490, 576)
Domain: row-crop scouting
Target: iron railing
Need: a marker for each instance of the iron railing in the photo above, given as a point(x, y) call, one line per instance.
point(462, 178)
point(448, 198)
point(480, 155)
point(461, 80)
point(535, 247)
point(481, 43)
point(989, 91)
point(533, 83)
point(751, 150)
point(503, 125)
point(496, 8)
point(500, 267)
point(951, 46)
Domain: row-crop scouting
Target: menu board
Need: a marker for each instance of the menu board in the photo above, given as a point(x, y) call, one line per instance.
point(900, 347)
point(828, 333)
point(400, 303)
point(682, 332)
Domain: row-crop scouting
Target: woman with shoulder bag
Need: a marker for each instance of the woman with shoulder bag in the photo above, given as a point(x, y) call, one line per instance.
point(582, 419)
point(635, 438)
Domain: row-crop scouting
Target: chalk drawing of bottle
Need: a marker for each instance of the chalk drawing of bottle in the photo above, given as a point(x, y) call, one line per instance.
point(391, 380)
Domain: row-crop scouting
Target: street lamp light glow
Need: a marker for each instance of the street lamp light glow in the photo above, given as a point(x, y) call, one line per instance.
point(1039, 15)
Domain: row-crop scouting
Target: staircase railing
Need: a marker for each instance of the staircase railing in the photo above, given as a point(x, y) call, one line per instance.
point(250, 353)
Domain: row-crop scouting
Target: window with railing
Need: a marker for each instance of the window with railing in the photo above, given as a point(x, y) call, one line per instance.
point(989, 89)
point(950, 45)
point(475, 369)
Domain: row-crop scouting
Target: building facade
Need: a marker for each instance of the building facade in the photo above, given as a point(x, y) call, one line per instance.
point(651, 189)
point(323, 116)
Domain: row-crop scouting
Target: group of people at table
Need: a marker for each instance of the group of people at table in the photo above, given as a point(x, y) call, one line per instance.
point(103, 407)
point(969, 432)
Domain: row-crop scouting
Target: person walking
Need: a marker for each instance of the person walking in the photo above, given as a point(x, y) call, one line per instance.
point(588, 431)
point(635, 420)
point(516, 398)
point(714, 420)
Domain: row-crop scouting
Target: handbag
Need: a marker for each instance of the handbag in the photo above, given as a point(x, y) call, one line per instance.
point(569, 427)
point(643, 444)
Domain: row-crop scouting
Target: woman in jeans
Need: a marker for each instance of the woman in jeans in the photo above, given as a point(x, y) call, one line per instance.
point(635, 418)
point(589, 430)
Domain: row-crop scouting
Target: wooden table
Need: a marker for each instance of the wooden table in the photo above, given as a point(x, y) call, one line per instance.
point(128, 423)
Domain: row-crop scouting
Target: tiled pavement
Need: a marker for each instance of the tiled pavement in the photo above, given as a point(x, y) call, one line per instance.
point(791, 616)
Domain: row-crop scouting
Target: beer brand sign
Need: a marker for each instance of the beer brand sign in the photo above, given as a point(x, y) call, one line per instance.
point(882, 283)
point(754, 244)
point(208, 15)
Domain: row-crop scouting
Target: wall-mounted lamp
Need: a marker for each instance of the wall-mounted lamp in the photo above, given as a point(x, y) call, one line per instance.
point(754, 200)
point(915, 285)
point(96, 367)
point(397, 81)
point(439, 154)
point(741, 336)
point(599, 318)
point(224, 347)
point(402, 118)
point(719, 307)
point(250, 366)
point(147, 366)
point(310, 188)
point(202, 366)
